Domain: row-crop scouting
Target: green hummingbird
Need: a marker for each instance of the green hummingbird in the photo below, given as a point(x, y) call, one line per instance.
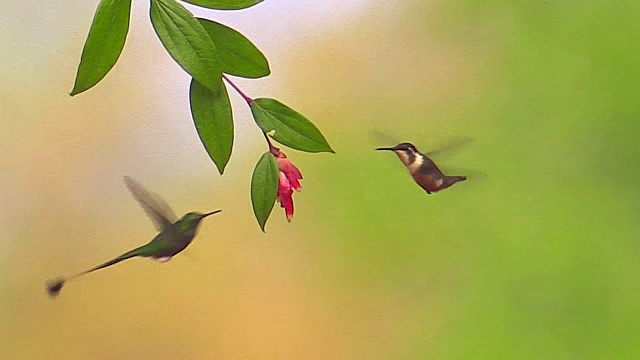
point(175, 235)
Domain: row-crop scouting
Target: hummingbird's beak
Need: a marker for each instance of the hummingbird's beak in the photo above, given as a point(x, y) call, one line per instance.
point(211, 213)
point(383, 148)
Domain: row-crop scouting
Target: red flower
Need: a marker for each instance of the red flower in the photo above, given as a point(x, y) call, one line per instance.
point(288, 180)
point(284, 195)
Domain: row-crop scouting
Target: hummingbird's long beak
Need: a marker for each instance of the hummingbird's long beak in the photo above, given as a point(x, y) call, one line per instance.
point(383, 148)
point(211, 213)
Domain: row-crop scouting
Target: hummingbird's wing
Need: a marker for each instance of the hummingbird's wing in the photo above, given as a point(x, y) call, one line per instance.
point(452, 144)
point(380, 138)
point(156, 208)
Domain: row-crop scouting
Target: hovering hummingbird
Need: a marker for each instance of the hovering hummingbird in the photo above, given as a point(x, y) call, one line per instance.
point(423, 170)
point(175, 235)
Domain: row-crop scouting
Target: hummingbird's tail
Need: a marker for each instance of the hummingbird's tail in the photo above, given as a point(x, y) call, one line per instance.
point(55, 285)
point(450, 180)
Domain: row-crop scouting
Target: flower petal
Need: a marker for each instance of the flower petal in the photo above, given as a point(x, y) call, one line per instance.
point(294, 183)
point(288, 209)
point(290, 170)
point(284, 195)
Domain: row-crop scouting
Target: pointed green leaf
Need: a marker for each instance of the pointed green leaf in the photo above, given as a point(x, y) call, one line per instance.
point(186, 41)
point(236, 54)
point(211, 112)
point(224, 4)
point(290, 127)
point(264, 187)
point(104, 43)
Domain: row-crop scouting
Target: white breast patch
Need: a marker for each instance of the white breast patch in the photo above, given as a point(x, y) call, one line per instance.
point(417, 163)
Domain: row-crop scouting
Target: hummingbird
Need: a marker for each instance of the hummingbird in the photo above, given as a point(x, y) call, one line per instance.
point(174, 235)
point(423, 170)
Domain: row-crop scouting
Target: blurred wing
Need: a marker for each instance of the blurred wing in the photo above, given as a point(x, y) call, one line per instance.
point(452, 144)
point(382, 139)
point(156, 208)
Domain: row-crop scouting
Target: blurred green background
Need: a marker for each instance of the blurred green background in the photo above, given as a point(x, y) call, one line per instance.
point(535, 257)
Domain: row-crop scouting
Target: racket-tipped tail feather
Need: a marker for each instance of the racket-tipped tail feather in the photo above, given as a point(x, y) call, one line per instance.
point(54, 286)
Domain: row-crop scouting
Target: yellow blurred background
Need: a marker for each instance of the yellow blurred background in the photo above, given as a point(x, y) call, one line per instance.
point(535, 256)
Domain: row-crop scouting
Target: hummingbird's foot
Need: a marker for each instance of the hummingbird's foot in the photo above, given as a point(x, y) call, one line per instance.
point(163, 259)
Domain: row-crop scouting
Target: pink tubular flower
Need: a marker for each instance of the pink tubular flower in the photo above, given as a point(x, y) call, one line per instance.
point(288, 180)
point(284, 195)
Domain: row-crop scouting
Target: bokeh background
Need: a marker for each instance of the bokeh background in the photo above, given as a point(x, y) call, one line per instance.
point(535, 256)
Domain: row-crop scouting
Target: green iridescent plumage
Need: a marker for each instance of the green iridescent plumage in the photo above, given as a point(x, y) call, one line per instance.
point(173, 237)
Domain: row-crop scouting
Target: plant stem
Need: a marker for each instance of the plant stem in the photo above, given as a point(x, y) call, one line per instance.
point(274, 150)
point(237, 89)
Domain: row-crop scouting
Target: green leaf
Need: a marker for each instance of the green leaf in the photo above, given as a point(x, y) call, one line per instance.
point(211, 112)
point(237, 55)
point(224, 4)
point(264, 187)
point(291, 128)
point(186, 41)
point(104, 44)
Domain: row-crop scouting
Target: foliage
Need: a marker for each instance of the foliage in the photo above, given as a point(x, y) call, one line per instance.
point(264, 186)
point(206, 50)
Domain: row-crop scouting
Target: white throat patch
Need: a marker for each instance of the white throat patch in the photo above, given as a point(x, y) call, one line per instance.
point(417, 163)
